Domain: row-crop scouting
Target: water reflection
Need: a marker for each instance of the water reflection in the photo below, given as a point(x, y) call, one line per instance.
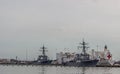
point(42, 70)
point(73, 70)
point(57, 70)
point(92, 70)
point(83, 70)
point(107, 70)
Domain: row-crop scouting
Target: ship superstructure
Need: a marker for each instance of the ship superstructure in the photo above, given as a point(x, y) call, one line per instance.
point(80, 59)
point(43, 59)
point(105, 57)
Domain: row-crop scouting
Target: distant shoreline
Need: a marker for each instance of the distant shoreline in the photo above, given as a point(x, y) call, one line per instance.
point(56, 65)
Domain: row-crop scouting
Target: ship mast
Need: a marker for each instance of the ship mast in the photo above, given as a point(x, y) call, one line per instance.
point(84, 46)
point(43, 50)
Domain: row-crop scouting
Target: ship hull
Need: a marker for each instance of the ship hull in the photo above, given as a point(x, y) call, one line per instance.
point(42, 63)
point(86, 63)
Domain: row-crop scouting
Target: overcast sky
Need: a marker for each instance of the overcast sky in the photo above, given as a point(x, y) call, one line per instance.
point(58, 24)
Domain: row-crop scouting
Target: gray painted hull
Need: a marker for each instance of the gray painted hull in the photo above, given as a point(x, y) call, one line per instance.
point(87, 63)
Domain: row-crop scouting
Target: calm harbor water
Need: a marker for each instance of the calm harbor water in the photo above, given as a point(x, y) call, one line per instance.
point(57, 70)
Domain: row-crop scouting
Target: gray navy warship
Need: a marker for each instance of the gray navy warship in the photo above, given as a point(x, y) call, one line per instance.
point(82, 59)
point(43, 59)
